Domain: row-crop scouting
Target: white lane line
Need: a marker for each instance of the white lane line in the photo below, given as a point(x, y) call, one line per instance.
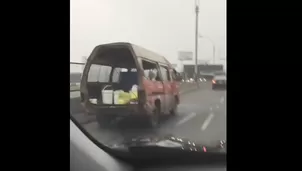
point(217, 106)
point(221, 100)
point(186, 118)
point(211, 109)
point(207, 122)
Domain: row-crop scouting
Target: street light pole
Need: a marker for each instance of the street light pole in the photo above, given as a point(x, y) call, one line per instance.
point(196, 41)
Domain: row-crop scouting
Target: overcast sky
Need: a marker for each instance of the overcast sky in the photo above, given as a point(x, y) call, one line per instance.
point(163, 26)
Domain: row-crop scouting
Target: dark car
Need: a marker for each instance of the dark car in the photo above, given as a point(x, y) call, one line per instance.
point(219, 81)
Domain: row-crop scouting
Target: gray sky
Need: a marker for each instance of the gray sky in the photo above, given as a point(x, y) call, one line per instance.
point(163, 26)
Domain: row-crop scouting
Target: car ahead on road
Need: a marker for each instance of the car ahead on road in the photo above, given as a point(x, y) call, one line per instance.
point(219, 80)
point(126, 80)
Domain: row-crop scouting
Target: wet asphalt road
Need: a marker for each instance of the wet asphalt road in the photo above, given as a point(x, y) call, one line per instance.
point(201, 118)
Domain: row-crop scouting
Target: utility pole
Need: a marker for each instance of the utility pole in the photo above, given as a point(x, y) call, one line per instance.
point(196, 40)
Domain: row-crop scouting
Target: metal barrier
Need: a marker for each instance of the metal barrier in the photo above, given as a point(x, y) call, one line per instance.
point(76, 69)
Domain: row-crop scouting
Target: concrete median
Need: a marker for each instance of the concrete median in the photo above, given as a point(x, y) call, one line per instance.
point(77, 110)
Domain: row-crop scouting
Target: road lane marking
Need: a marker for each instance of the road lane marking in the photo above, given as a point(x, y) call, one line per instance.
point(207, 122)
point(211, 108)
point(221, 100)
point(217, 106)
point(186, 118)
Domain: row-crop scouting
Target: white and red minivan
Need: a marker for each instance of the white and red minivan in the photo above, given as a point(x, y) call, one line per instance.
point(120, 67)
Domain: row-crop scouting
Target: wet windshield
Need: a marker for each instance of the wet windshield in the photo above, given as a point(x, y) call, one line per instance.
point(135, 71)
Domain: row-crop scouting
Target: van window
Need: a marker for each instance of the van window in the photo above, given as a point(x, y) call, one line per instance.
point(99, 73)
point(117, 72)
point(174, 74)
point(165, 73)
point(151, 71)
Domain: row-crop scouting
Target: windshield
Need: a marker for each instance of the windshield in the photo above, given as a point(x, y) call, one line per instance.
point(134, 72)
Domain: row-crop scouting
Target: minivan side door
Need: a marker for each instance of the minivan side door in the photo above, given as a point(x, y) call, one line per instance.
point(153, 83)
point(168, 91)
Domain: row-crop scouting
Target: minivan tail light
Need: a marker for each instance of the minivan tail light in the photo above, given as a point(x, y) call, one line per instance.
point(213, 81)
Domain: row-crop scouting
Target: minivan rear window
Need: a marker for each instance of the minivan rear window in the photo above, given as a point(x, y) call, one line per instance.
point(99, 73)
point(117, 73)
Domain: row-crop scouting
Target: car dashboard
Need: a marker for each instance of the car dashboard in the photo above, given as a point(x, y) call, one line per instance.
point(85, 155)
point(187, 168)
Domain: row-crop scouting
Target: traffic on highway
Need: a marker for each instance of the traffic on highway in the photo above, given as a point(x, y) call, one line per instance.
point(200, 114)
point(141, 83)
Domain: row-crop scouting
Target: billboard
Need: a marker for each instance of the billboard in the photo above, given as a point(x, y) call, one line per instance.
point(185, 55)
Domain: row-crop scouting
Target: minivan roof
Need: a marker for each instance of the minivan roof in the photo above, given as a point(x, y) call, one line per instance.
point(141, 52)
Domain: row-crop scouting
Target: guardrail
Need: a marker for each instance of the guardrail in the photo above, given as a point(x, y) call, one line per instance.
point(74, 87)
point(75, 75)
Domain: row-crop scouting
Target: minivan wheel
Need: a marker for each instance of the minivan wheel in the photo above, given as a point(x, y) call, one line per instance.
point(175, 107)
point(103, 120)
point(153, 120)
